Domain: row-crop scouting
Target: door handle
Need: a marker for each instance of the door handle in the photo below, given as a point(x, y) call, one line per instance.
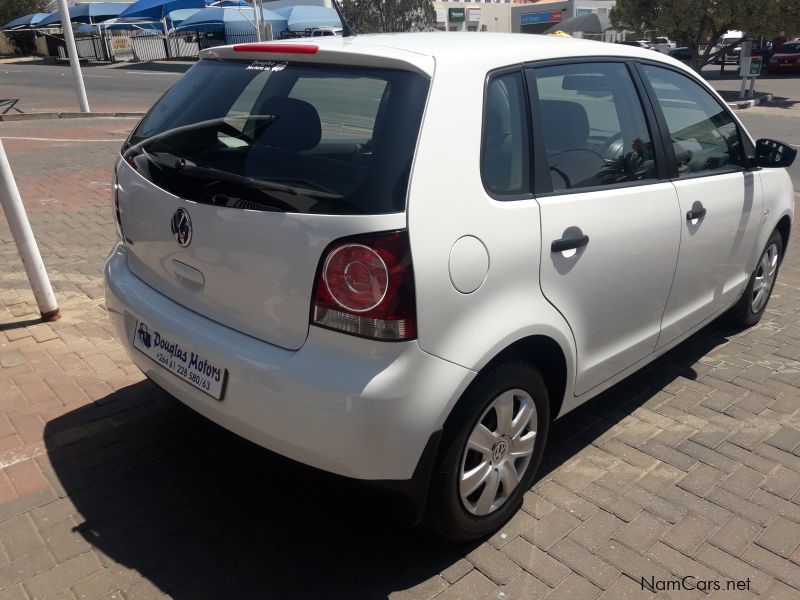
point(696, 213)
point(569, 244)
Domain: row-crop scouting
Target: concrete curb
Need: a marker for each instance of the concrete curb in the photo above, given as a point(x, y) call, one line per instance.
point(743, 104)
point(68, 115)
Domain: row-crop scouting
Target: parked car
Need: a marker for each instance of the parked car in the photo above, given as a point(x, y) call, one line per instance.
point(731, 54)
point(307, 256)
point(786, 59)
point(682, 54)
point(638, 44)
point(664, 45)
point(325, 31)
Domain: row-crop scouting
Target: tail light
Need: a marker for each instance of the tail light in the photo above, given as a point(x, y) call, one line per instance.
point(365, 287)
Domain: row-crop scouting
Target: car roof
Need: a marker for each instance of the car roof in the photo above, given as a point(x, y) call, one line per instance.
point(423, 50)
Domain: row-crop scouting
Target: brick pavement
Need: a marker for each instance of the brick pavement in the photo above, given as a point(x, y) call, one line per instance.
point(109, 488)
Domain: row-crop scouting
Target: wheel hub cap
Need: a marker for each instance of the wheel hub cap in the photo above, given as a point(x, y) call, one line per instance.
point(765, 278)
point(498, 452)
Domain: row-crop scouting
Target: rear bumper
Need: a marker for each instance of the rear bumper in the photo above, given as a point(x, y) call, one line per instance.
point(354, 407)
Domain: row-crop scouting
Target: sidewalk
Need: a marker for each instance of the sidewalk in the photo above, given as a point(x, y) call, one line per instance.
point(109, 488)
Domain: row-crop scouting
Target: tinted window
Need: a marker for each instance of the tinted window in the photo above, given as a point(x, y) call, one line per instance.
point(789, 49)
point(504, 155)
point(593, 126)
point(704, 136)
point(284, 137)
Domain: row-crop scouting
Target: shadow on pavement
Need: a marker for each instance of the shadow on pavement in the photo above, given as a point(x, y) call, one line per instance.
point(200, 512)
point(157, 67)
point(776, 102)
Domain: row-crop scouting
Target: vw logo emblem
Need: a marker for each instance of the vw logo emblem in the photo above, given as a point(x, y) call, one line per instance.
point(181, 226)
point(499, 451)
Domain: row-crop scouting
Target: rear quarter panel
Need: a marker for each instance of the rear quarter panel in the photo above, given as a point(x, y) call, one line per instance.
point(447, 200)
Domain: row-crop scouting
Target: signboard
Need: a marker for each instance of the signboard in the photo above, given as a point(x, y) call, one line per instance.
point(750, 66)
point(121, 47)
point(441, 15)
point(473, 14)
point(455, 15)
point(535, 18)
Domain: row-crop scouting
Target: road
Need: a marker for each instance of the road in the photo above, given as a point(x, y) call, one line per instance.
point(109, 488)
point(776, 123)
point(41, 86)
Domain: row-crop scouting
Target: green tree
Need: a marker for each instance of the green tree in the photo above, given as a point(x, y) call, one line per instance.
point(702, 22)
point(10, 10)
point(374, 16)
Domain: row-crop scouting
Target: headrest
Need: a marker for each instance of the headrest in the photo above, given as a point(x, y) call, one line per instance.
point(298, 126)
point(564, 124)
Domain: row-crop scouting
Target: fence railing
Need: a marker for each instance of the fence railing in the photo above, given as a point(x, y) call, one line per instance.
point(145, 45)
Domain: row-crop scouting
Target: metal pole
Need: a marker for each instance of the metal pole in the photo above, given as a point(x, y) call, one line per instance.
point(72, 52)
point(257, 19)
point(166, 37)
point(26, 244)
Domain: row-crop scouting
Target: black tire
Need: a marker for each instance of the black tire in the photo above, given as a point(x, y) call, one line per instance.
point(742, 313)
point(446, 514)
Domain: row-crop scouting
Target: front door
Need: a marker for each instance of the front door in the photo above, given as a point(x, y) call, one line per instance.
point(610, 227)
point(720, 201)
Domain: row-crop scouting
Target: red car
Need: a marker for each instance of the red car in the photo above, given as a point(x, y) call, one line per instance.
point(786, 59)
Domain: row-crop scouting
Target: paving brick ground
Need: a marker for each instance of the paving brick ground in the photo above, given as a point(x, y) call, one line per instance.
point(109, 488)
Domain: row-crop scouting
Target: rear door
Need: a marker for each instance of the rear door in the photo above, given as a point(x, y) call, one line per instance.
point(720, 200)
point(610, 226)
point(242, 174)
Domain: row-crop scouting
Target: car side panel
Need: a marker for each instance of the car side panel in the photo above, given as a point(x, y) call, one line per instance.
point(446, 202)
point(779, 202)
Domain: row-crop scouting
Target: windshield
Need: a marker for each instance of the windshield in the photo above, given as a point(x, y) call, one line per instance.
point(789, 49)
point(286, 137)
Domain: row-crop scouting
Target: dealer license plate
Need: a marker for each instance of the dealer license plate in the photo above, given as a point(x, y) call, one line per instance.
point(187, 364)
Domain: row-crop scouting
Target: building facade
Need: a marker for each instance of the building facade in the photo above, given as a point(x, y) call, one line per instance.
point(518, 16)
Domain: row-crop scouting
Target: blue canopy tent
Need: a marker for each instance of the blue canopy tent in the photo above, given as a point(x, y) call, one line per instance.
point(156, 10)
point(94, 12)
point(302, 17)
point(232, 19)
point(25, 22)
point(176, 17)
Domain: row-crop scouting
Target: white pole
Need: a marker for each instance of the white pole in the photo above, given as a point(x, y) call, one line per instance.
point(72, 52)
point(166, 37)
point(26, 244)
point(257, 19)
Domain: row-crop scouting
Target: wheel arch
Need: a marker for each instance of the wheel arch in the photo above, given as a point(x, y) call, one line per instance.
point(784, 227)
point(542, 352)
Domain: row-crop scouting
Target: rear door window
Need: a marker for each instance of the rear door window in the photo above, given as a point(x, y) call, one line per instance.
point(282, 136)
point(592, 126)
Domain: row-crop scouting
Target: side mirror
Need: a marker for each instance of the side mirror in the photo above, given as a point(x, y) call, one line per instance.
point(771, 153)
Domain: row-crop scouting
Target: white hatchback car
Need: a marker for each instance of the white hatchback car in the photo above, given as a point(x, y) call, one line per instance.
point(399, 257)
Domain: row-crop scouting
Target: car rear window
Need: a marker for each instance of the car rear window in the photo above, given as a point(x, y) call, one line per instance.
point(283, 136)
point(789, 49)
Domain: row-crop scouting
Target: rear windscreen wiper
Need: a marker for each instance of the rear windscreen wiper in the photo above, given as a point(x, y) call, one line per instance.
point(221, 123)
point(192, 170)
